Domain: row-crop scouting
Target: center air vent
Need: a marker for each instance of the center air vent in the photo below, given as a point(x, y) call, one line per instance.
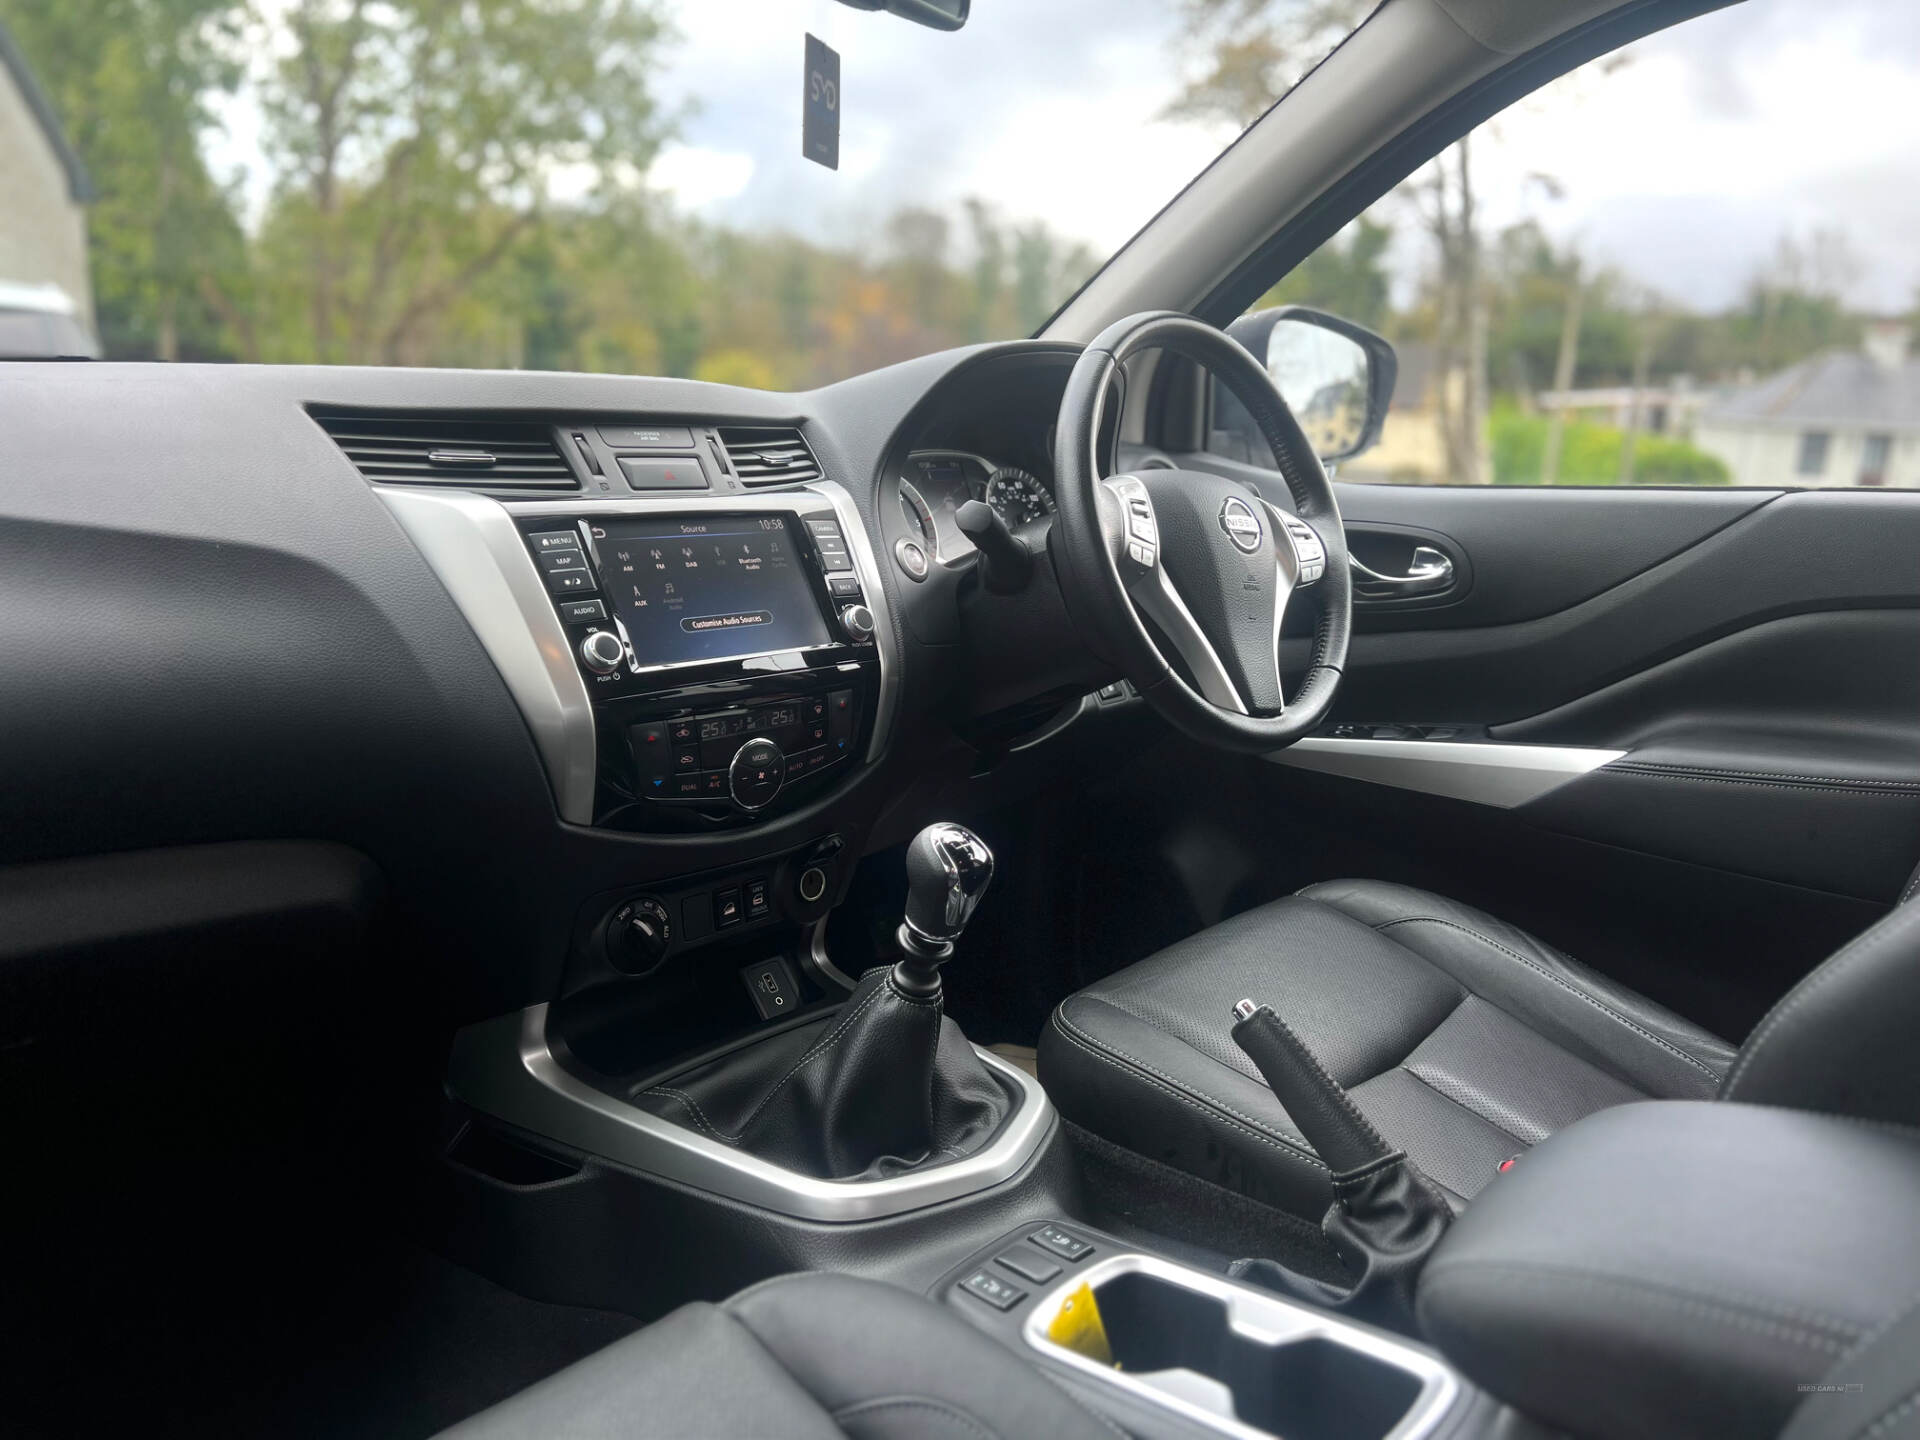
point(465, 454)
point(763, 458)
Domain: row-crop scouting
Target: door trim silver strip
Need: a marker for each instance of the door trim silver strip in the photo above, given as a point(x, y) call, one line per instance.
point(504, 1068)
point(1486, 773)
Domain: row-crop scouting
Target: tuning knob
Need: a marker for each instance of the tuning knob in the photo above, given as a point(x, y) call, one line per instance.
point(859, 622)
point(602, 652)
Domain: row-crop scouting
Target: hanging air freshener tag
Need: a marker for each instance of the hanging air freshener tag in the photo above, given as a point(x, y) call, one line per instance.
point(820, 127)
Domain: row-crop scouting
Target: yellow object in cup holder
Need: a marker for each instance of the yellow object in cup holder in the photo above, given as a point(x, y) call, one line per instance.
point(1078, 1327)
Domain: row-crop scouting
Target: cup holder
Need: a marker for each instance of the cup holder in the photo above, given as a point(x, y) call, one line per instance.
point(1246, 1363)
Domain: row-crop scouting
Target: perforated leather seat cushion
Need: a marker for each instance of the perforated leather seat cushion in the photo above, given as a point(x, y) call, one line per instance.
point(1464, 1039)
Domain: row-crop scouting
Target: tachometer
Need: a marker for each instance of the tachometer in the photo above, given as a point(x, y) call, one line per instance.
point(1017, 497)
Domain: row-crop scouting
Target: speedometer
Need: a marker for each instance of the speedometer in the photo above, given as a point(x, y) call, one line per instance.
point(1017, 497)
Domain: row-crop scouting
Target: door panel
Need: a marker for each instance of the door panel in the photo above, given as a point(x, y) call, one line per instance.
point(1740, 668)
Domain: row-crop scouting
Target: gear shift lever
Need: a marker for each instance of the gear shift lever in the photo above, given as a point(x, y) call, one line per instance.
point(948, 870)
point(885, 1084)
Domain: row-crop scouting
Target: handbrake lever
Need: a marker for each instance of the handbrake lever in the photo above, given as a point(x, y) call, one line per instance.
point(1386, 1215)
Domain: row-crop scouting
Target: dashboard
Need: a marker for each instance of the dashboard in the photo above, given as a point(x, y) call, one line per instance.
point(420, 615)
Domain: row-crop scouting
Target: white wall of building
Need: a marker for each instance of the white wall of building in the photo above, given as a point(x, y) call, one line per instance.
point(43, 230)
point(1770, 455)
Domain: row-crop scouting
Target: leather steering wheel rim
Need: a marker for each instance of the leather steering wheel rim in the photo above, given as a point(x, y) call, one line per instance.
point(1113, 536)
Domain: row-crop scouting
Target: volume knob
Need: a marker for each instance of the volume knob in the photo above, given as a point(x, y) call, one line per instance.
point(859, 622)
point(602, 652)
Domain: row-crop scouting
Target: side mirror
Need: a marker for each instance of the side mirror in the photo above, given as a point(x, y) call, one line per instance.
point(1337, 377)
point(938, 14)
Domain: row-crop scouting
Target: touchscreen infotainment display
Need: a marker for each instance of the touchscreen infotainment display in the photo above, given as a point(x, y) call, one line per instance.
point(709, 589)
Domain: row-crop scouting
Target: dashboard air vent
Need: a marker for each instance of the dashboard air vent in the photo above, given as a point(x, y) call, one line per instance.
point(460, 453)
point(763, 458)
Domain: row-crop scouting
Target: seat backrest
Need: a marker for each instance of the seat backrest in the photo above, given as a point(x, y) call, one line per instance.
point(1846, 1039)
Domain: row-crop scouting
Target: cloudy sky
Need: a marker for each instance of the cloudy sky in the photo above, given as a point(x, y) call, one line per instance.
point(1684, 167)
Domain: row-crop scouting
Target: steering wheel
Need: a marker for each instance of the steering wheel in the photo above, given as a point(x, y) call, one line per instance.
point(1197, 563)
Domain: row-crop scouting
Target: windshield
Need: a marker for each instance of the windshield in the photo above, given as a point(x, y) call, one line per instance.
point(601, 185)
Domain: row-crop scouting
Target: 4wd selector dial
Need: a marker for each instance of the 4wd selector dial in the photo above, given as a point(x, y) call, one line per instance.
point(638, 936)
point(755, 775)
point(602, 652)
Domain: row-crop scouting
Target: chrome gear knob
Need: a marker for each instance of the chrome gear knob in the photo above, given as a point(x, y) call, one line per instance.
point(948, 870)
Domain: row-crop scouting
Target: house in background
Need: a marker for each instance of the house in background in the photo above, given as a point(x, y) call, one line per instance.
point(44, 191)
point(1849, 417)
point(1670, 409)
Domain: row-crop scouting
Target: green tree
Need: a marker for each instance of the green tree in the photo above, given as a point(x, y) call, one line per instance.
point(416, 142)
point(132, 81)
point(1348, 275)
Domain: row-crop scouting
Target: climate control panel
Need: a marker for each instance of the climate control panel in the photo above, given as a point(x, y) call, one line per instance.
point(746, 756)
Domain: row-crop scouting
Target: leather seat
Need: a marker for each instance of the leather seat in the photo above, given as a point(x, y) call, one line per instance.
point(1463, 1039)
point(806, 1357)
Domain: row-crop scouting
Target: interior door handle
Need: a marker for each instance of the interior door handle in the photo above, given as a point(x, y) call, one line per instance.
point(1430, 570)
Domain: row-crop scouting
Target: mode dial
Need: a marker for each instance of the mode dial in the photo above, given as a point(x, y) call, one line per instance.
point(602, 652)
point(756, 774)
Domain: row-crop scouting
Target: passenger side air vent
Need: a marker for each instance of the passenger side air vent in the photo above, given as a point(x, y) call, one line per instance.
point(763, 458)
point(462, 453)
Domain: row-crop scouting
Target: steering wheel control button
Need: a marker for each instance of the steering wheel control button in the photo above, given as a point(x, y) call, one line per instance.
point(913, 558)
point(578, 612)
point(1064, 1243)
point(602, 652)
point(1001, 1294)
point(812, 884)
point(1141, 555)
point(773, 988)
point(1307, 549)
point(1029, 1264)
point(756, 774)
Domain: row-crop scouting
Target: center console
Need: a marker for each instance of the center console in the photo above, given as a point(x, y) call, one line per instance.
point(728, 652)
point(686, 663)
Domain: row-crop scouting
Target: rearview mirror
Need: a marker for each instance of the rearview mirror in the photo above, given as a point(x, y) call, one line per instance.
point(939, 14)
point(1337, 377)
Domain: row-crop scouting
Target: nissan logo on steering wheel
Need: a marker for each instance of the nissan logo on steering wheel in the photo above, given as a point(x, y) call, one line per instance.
point(1241, 524)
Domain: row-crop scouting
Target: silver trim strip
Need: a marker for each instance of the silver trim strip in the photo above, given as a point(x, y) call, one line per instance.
point(472, 544)
point(504, 1068)
point(1266, 1320)
point(1485, 773)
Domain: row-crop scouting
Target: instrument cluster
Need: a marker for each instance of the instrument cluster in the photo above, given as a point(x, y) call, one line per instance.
point(936, 483)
